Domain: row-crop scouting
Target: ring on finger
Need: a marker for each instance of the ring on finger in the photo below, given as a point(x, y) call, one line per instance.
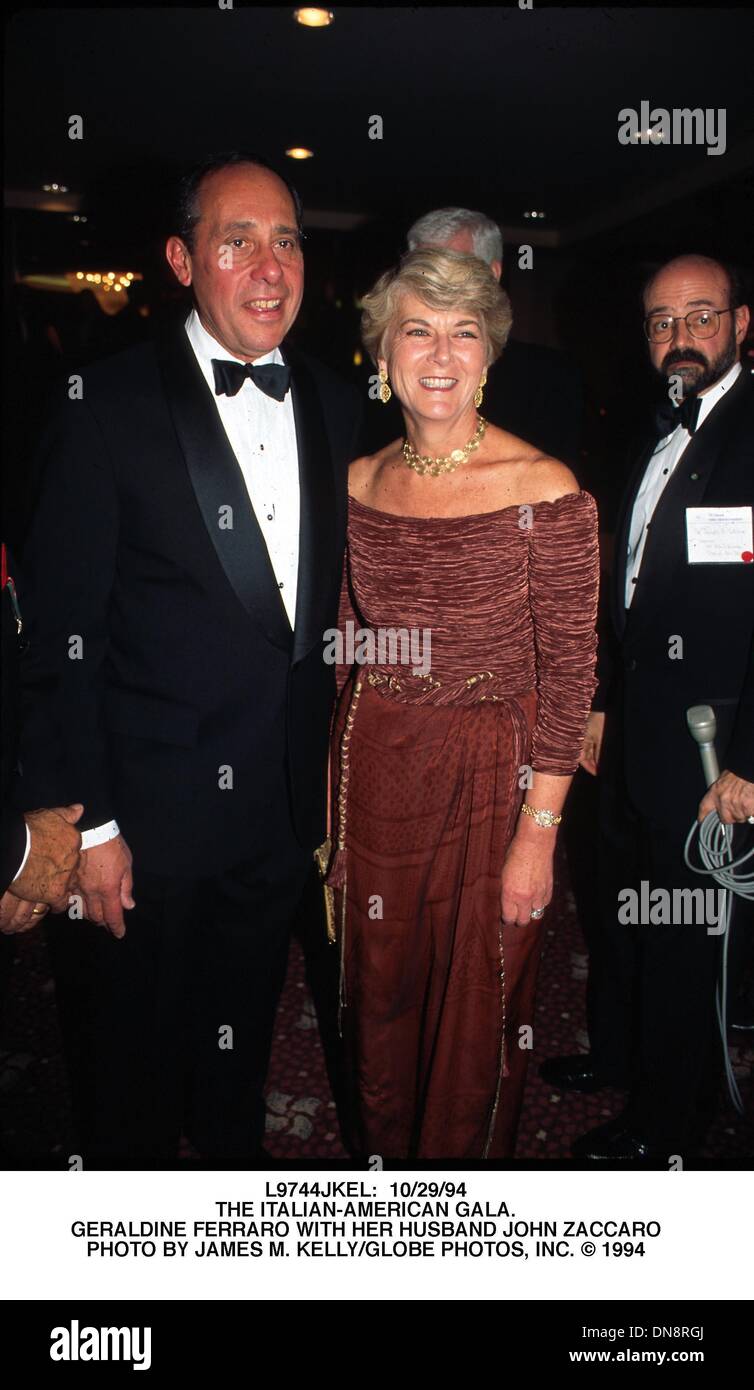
point(537, 912)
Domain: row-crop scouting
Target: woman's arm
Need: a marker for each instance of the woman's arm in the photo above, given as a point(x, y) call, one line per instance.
point(527, 877)
point(563, 590)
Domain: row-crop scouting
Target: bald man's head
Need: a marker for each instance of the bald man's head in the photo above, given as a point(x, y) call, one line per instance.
point(723, 275)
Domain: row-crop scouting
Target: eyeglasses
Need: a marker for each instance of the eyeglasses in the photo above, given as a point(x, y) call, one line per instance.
point(701, 323)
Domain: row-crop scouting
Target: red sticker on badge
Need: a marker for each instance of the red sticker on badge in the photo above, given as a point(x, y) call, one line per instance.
point(747, 556)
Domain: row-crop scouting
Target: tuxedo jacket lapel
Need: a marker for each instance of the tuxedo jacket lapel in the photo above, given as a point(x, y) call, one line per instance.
point(665, 548)
point(622, 538)
point(317, 530)
point(218, 483)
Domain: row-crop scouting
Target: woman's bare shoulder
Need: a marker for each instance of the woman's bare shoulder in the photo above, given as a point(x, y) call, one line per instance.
point(550, 479)
point(537, 477)
point(363, 470)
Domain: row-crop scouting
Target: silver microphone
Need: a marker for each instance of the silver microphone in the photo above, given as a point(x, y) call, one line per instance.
point(702, 727)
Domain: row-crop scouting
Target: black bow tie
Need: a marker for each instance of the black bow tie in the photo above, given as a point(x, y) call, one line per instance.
point(668, 415)
point(271, 377)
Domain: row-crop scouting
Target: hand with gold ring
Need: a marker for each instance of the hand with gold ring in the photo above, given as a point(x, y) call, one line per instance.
point(17, 915)
point(526, 882)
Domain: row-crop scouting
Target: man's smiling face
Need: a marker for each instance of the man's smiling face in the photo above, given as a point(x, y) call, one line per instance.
point(246, 266)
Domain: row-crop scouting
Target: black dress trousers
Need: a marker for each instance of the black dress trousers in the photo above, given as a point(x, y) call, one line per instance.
point(169, 1029)
point(651, 993)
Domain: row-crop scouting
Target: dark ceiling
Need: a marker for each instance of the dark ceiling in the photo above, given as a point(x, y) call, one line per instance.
point(498, 107)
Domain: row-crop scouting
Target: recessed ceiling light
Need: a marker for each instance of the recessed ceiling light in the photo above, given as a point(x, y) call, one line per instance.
point(299, 152)
point(654, 135)
point(312, 17)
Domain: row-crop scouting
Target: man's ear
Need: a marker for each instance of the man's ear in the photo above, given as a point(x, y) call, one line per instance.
point(497, 269)
point(179, 259)
point(742, 323)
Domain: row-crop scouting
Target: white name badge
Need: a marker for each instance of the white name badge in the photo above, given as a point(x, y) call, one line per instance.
point(719, 535)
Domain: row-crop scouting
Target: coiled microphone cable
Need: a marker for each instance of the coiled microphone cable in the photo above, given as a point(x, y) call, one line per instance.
point(716, 854)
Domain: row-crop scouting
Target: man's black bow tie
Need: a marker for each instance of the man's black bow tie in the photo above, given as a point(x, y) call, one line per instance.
point(271, 377)
point(667, 415)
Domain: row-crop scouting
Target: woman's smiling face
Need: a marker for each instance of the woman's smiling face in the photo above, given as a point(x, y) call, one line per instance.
point(435, 358)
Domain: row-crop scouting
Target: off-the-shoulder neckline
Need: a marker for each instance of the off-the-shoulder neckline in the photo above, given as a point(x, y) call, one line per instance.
point(469, 516)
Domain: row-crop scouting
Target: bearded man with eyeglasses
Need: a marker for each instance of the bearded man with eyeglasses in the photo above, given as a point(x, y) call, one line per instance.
point(683, 634)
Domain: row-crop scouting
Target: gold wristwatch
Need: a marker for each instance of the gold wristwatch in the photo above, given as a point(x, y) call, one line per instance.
point(543, 818)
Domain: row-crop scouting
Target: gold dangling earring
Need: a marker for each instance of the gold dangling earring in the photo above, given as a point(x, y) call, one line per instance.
point(478, 394)
point(385, 392)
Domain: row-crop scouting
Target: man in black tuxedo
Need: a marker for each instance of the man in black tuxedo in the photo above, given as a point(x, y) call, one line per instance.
point(683, 635)
point(183, 564)
point(39, 852)
point(532, 391)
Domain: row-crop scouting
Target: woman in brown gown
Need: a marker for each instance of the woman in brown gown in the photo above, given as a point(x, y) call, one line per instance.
point(440, 880)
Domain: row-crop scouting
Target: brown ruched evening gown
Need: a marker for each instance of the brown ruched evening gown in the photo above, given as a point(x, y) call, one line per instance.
point(429, 772)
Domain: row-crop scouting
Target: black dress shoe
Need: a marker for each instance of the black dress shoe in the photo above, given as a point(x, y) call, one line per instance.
point(613, 1142)
point(571, 1073)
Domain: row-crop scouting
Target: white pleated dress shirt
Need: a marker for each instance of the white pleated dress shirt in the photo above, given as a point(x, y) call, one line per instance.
point(262, 434)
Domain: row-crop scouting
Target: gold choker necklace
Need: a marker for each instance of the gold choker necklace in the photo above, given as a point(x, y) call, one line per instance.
point(426, 464)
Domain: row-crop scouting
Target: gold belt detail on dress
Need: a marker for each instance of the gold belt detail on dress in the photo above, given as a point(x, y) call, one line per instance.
point(401, 684)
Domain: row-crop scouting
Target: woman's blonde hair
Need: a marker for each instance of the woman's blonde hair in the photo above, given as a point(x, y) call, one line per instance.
point(441, 280)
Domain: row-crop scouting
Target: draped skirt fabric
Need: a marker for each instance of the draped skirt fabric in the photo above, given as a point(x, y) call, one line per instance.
point(437, 994)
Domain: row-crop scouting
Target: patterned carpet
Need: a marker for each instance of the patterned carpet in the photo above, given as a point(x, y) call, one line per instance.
point(302, 1117)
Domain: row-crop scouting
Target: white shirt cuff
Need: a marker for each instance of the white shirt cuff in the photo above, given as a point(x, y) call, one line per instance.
point(99, 834)
point(26, 854)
